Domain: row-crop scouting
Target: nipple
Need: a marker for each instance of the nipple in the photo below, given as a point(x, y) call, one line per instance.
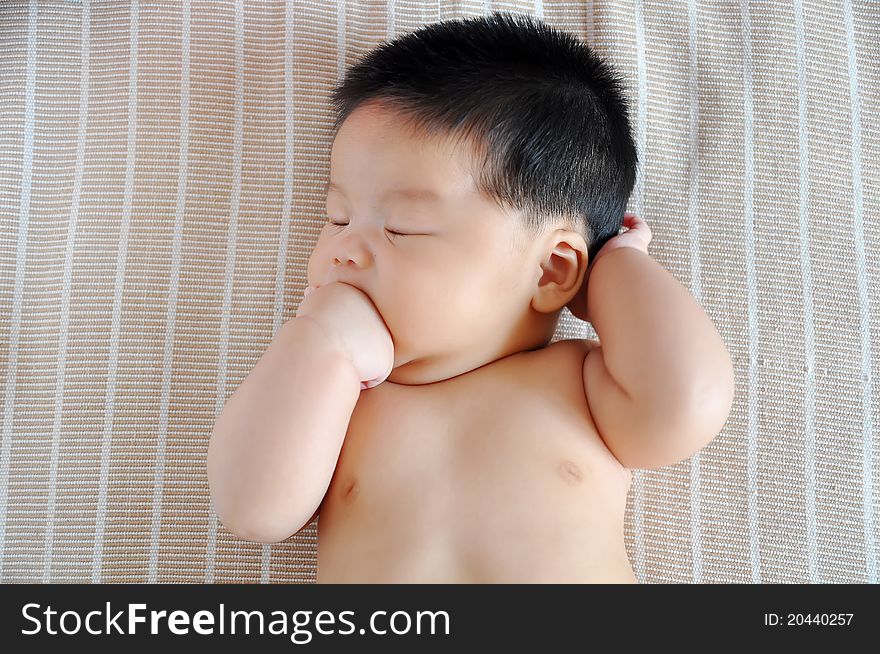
point(570, 472)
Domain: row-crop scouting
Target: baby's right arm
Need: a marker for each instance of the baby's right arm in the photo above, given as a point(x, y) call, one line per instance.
point(275, 445)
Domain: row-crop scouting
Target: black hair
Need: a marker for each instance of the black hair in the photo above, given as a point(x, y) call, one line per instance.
point(545, 119)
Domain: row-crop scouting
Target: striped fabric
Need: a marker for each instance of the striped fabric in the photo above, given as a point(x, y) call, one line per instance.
point(161, 168)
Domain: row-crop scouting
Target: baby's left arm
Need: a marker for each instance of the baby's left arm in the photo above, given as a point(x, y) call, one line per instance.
point(660, 385)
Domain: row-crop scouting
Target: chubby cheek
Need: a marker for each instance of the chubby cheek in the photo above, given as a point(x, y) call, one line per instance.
point(428, 311)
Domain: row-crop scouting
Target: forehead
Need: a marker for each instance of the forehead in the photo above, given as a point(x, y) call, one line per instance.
point(374, 156)
point(411, 194)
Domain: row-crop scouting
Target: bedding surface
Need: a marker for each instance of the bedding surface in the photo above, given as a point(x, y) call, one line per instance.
point(161, 175)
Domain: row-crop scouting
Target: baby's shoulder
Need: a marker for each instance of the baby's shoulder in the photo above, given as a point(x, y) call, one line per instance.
point(572, 350)
point(559, 362)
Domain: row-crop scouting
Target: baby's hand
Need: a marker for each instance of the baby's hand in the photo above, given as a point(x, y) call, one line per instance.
point(349, 317)
point(637, 235)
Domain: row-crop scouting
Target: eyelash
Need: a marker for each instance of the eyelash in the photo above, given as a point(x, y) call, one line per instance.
point(389, 231)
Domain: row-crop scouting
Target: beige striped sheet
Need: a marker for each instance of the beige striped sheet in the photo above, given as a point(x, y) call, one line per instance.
point(161, 167)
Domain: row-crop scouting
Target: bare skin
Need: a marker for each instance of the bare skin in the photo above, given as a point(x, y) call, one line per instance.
point(494, 476)
point(476, 459)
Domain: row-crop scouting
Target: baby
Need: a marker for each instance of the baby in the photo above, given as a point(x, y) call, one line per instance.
point(478, 180)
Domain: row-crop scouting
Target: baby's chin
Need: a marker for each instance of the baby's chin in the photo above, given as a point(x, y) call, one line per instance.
point(431, 369)
point(417, 371)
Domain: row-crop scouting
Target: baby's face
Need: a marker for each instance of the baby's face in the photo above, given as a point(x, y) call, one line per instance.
point(458, 280)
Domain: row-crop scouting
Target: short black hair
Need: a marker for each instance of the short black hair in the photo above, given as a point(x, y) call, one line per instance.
point(544, 117)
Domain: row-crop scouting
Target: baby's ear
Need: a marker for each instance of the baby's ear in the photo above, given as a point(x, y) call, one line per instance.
point(561, 260)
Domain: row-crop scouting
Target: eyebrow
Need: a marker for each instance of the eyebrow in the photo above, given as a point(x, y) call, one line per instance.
point(413, 194)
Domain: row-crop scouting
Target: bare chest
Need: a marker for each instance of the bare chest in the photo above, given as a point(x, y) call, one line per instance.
point(476, 477)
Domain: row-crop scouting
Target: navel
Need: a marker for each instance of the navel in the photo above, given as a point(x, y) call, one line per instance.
point(350, 490)
point(570, 472)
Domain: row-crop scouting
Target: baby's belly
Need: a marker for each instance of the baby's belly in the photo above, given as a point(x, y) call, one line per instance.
point(518, 514)
point(356, 555)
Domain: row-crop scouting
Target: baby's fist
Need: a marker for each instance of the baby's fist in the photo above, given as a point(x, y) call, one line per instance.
point(637, 235)
point(351, 320)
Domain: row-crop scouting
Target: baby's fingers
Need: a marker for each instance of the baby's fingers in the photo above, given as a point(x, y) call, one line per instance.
point(633, 223)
